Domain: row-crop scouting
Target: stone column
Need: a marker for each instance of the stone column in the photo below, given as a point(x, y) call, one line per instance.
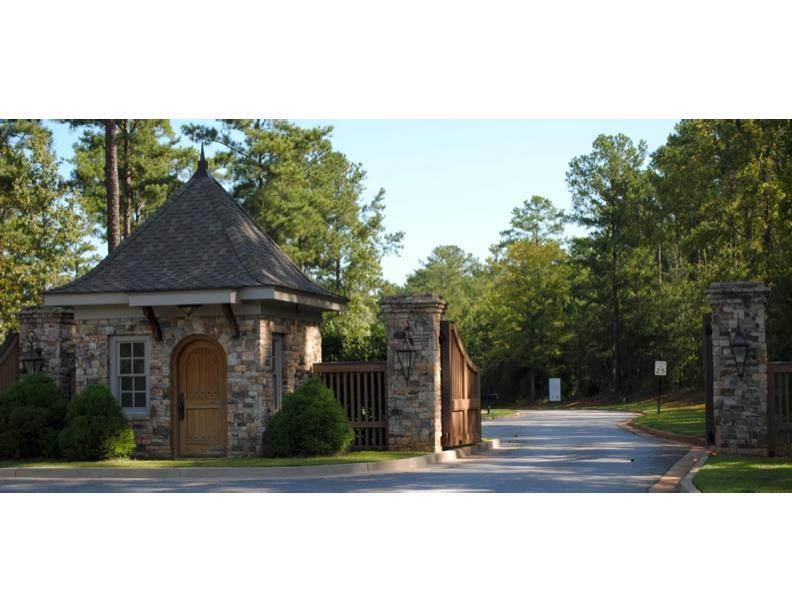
point(52, 330)
point(415, 405)
point(740, 404)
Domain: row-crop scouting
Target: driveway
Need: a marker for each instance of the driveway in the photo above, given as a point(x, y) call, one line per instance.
point(554, 451)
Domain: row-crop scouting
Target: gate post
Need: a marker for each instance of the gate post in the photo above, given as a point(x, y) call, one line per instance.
point(415, 404)
point(740, 403)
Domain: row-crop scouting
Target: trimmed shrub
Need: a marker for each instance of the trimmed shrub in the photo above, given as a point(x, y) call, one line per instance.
point(32, 414)
point(310, 423)
point(96, 427)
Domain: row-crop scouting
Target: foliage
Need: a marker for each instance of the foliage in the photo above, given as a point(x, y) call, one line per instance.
point(310, 423)
point(309, 199)
point(730, 474)
point(32, 414)
point(42, 239)
point(151, 166)
point(96, 427)
point(538, 220)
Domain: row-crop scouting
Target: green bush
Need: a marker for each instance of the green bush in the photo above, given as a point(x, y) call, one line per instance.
point(310, 423)
point(96, 427)
point(32, 414)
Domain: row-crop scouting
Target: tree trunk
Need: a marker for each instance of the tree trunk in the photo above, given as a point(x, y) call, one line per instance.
point(111, 185)
point(532, 378)
point(127, 208)
point(616, 344)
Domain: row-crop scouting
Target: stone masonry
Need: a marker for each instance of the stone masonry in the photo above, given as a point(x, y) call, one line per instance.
point(415, 406)
point(740, 404)
point(76, 353)
point(52, 330)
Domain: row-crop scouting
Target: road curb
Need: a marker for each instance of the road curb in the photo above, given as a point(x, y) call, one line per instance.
point(686, 484)
point(254, 473)
point(672, 481)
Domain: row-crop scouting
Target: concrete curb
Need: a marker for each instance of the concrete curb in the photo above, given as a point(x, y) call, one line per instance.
point(686, 484)
point(254, 473)
point(672, 480)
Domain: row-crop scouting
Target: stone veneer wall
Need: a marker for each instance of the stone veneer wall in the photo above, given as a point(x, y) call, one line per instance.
point(740, 404)
point(415, 406)
point(249, 361)
point(54, 331)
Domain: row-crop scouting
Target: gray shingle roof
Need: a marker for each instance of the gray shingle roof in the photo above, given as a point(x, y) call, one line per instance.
point(200, 239)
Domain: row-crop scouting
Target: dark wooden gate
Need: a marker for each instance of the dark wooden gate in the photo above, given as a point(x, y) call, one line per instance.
point(9, 361)
point(461, 390)
point(779, 409)
point(360, 387)
point(709, 379)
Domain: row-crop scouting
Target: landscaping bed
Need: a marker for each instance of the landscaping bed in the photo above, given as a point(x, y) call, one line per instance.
point(233, 462)
point(738, 474)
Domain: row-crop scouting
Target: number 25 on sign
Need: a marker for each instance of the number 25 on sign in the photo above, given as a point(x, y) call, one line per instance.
point(660, 371)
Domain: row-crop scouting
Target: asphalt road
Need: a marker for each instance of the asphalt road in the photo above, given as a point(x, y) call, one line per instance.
point(549, 451)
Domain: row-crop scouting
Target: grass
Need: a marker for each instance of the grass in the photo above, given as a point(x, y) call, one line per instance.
point(497, 413)
point(680, 413)
point(729, 474)
point(353, 457)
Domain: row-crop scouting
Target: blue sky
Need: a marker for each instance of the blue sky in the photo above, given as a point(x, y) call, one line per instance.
point(456, 181)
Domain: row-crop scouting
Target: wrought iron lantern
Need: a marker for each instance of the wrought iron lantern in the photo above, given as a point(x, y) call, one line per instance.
point(404, 347)
point(188, 309)
point(739, 349)
point(32, 361)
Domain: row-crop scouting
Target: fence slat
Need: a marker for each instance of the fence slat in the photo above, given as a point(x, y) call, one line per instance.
point(358, 386)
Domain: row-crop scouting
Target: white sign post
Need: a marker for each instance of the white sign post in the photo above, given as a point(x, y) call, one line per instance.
point(555, 389)
point(660, 372)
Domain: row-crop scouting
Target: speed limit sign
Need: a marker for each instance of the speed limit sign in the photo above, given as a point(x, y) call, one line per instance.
point(660, 368)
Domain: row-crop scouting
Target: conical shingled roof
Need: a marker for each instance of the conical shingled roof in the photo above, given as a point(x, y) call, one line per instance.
point(200, 239)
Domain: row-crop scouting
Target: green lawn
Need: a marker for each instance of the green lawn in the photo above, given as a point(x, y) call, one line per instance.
point(354, 457)
point(497, 413)
point(684, 421)
point(728, 474)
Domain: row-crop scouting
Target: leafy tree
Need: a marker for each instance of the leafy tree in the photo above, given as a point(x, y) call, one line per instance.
point(453, 273)
point(309, 199)
point(537, 220)
point(42, 240)
point(612, 197)
point(150, 163)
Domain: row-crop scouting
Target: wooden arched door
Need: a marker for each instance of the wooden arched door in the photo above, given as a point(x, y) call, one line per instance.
point(201, 414)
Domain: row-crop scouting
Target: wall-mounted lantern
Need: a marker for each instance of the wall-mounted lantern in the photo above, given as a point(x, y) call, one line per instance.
point(739, 349)
point(32, 361)
point(404, 347)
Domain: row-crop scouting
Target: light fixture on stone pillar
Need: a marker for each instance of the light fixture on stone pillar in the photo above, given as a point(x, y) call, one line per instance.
point(32, 361)
point(739, 349)
point(404, 347)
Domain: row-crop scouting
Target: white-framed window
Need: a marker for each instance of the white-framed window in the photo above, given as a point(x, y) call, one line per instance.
point(129, 373)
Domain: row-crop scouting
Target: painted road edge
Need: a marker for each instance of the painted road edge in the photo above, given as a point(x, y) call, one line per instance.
point(247, 473)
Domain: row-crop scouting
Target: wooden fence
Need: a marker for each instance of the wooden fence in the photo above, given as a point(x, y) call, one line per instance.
point(779, 409)
point(361, 389)
point(9, 361)
point(461, 390)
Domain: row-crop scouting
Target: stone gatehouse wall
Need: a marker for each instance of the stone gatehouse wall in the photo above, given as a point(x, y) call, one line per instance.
point(249, 361)
point(53, 332)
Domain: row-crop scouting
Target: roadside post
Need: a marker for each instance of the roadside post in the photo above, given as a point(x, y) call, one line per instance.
point(660, 372)
point(491, 397)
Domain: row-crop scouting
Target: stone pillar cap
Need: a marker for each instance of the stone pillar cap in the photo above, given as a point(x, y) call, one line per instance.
point(426, 301)
point(737, 289)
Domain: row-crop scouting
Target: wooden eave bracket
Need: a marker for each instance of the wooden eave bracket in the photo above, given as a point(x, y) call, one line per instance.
point(156, 331)
point(231, 318)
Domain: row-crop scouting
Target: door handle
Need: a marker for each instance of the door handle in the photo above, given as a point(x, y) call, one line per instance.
point(181, 406)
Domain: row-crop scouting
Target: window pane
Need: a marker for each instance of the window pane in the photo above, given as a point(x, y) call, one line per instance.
point(140, 400)
point(138, 349)
point(140, 383)
point(125, 349)
point(126, 383)
point(126, 366)
point(126, 400)
point(138, 366)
